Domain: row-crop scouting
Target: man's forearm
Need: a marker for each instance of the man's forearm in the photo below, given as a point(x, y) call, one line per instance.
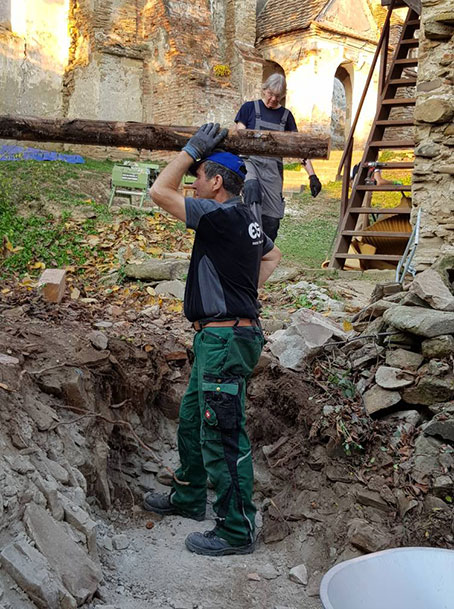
point(164, 191)
point(266, 269)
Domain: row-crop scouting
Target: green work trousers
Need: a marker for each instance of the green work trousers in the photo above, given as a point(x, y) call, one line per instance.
point(212, 439)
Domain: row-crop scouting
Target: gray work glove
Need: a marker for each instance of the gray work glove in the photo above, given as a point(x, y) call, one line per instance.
point(315, 185)
point(207, 138)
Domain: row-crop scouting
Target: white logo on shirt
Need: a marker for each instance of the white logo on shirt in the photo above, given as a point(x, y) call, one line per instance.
point(254, 230)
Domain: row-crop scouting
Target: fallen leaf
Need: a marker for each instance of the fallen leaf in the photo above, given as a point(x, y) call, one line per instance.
point(148, 348)
point(255, 577)
point(75, 293)
point(175, 308)
point(347, 326)
point(151, 291)
point(5, 387)
point(154, 251)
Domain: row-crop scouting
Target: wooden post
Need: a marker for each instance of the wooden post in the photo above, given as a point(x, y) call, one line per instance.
point(383, 62)
point(366, 86)
point(159, 137)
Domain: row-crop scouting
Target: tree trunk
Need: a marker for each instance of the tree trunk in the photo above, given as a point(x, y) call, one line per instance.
point(159, 137)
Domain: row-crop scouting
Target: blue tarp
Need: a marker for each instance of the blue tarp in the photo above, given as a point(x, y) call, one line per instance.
point(18, 153)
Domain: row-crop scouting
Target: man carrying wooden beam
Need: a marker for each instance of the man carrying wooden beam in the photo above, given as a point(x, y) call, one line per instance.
point(231, 257)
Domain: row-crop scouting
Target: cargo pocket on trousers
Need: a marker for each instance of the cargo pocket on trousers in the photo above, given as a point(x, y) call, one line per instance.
point(222, 403)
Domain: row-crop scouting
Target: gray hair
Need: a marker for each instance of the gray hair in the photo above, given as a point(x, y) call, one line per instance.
point(275, 83)
point(231, 182)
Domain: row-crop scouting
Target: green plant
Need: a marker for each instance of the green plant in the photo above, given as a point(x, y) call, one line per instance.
point(348, 443)
point(344, 383)
point(222, 70)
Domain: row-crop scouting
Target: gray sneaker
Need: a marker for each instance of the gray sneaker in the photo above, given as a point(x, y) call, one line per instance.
point(160, 504)
point(209, 544)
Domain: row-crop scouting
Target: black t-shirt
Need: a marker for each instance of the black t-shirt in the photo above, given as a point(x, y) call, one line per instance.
point(246, 115)
point(228, 248)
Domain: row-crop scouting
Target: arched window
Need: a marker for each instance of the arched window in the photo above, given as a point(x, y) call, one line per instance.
point(341, 115)
point(272, 67)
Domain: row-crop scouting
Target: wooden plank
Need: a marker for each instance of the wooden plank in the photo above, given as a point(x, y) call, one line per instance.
point(384, 257)
point(403, 82)
point(379, 210)
point(410, 42)
point(396, 144)
point(407, 61)
point(400, 122)
point(374, 233)
point(159, 137)
point(384, 187)
point(399, 101)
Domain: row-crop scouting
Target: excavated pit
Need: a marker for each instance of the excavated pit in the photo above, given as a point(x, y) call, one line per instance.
point(89, 416)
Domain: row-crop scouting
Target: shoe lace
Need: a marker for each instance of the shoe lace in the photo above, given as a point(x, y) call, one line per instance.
point(210, 534)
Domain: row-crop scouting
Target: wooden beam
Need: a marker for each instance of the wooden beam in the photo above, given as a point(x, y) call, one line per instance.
point(159, 137)
point(413, 4)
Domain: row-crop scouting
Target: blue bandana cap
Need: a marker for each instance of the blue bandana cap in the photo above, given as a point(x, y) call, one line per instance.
point(226, 159)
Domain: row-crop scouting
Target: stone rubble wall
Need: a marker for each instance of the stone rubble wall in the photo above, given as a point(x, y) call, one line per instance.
point(60, 455)
point(433, 176)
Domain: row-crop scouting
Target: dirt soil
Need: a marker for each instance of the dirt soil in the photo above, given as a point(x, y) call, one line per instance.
point(306, 487)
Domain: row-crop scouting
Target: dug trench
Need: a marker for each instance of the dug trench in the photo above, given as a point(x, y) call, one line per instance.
point(88, 424)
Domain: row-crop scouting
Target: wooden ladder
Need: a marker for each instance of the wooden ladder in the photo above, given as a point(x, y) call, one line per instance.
point(400, 74)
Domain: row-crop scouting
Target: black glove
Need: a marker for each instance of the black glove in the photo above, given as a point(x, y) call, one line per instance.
point(315, 185)
point(207, 138)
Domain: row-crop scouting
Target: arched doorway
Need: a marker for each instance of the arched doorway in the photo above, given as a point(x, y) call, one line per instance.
point(272, 67)
point(341, 115)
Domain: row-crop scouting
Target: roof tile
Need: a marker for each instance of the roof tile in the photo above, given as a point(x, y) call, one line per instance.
point(279, 16)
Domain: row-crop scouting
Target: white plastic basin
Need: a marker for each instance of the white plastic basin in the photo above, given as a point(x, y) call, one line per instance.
point(401, 578)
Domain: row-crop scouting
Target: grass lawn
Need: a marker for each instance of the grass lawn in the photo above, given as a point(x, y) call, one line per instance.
point(309, 226)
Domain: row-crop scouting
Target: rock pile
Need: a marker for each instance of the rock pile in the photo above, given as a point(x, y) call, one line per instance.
point(405, 365)
point(364, 422)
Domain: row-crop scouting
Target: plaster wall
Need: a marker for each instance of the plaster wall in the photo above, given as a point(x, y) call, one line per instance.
point(310, 63)
point(34, 48)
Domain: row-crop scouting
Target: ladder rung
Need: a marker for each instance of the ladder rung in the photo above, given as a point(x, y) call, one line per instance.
point(399, 101)
point(398, 144)
point(378, 210)
point(385, 187)
point(413, 22)
point(384, 257)
point(409, 61)
point(395, 165)
point(374, 233)
point(414, 42)
point(403, 82)
point(400, 122)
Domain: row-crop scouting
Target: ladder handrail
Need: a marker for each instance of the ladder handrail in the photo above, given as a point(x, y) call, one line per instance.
point(381, 40)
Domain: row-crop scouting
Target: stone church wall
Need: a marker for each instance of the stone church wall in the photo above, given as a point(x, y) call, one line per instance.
point(433, 176)
point(33, 49)
point(160, 61)
point(310, 63)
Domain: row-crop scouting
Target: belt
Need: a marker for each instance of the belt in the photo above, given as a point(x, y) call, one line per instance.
point(229, 323)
